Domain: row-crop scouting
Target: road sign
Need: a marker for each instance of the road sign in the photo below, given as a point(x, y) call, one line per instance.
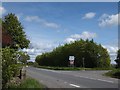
point(71, 62)
point(71, 58)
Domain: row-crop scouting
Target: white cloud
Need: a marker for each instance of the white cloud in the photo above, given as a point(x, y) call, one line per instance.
point(89, 15)
point(19, 15)
point(111, 49)
point(32, 18)
point(39, 48)
point(68, 40)
point(52, 25)
point(2, 10)
point(84, 35)
point(108, 20)
point(42, 21)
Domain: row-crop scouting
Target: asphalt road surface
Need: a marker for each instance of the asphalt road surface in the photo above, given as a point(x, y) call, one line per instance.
point(72, 79)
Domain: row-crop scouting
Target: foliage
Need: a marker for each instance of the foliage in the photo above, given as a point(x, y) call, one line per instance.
point(72, 68)
point(114, 73)
point(118, 59)
point(94, 55)
point(13, 27)
point(0, 21)
point(23, 57)
point(28, 83)
point(9, 65)
point(30, 63)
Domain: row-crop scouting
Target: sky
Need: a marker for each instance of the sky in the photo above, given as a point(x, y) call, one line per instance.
point(50, 24)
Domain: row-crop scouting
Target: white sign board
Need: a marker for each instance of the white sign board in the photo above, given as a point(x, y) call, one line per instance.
point(71, 58)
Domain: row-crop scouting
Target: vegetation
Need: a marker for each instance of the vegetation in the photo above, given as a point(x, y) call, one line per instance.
point(27, 83)
point(118, 59)
point(10, 66)
point(72, 68)
point(114, 73)
point(23, 57)
point(0, 21)
point(13, 27)
point(94, 55)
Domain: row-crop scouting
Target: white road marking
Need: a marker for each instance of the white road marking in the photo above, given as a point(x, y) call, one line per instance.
point(75, 85)
point(94, 79)
point(77, 76)
point(105, 80)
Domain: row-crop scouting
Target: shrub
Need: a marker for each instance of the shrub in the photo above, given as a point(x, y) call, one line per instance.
point(114, 73)
point(9, 67)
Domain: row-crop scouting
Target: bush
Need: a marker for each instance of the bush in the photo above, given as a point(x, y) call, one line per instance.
point(9, 67)
point(27, 83)
point(35, 64)
point(114, 73)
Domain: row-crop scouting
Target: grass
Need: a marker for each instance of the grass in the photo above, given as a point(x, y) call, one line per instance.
point(114, 73)
point(72, 68)
point(28, 83)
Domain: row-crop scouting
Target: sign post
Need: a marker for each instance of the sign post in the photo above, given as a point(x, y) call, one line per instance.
point(71, 61)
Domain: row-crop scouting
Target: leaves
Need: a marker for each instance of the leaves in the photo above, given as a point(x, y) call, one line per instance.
point(13, 27)
point(94, 55)
point(118, 59)
point(9, 67)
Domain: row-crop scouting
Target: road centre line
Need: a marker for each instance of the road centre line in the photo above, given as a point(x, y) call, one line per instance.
point(74, 85)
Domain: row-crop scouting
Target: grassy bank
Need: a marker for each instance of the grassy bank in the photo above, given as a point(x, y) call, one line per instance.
point(72, 68)
point(27, 83)
point(114, 73)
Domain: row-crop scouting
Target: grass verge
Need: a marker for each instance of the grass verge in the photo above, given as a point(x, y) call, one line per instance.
point(114, 73)
point(28, 83)
point(72, 68)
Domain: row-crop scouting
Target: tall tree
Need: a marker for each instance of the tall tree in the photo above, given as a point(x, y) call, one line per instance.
point(87, 53)
point(118, 59)
point(12, 26)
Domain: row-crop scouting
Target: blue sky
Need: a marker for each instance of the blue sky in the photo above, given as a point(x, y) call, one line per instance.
point(48, 25)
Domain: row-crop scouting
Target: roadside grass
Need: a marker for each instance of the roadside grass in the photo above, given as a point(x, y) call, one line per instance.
point(27, 83)
point(72, 68)
point(115, 73)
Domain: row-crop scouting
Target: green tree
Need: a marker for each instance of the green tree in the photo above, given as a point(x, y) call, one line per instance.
point(118, 59)
point(12, 26)
point(94, 55)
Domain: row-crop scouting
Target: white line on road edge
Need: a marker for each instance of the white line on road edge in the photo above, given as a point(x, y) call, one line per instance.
point(75, 85)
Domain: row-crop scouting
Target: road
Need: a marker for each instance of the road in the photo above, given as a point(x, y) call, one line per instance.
point(72, 79)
